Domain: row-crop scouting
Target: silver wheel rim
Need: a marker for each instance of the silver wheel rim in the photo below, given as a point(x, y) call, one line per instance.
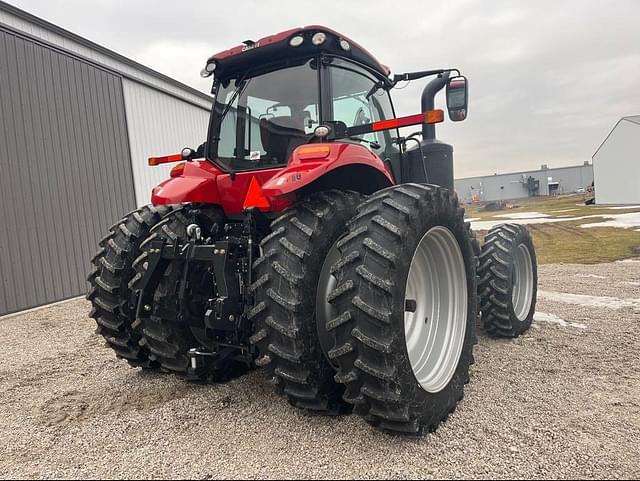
point(522, 294)
point(326, 283)
point(437, 290)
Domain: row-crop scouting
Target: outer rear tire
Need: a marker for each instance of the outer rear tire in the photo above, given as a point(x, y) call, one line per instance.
point(508, 280)
point(284, 315)
point(371, 347)
point(109, 292)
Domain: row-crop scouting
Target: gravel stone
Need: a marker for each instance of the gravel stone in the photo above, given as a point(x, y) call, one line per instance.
point(558, 402)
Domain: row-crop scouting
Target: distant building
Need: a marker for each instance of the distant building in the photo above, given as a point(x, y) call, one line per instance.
point(616, 164)
point(531, 183)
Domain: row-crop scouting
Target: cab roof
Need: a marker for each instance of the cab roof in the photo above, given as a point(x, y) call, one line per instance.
point(276, 48)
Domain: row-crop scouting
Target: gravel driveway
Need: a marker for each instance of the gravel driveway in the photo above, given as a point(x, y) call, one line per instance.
point(562, 401)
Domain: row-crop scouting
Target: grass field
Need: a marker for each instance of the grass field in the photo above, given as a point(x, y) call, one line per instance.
point(567, 242)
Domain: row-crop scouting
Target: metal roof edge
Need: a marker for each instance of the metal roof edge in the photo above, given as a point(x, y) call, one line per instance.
point(632, 118)
point(628, 119)
point(99, 48)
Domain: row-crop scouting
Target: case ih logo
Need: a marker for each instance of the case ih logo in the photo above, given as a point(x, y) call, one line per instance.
point(249, 45)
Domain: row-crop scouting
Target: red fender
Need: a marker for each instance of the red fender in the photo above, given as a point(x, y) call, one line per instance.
point(202, 182)
point(310, 162)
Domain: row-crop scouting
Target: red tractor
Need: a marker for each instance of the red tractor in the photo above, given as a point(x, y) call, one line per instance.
point(309, 236)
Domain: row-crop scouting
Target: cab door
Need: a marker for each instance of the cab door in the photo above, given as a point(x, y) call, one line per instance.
point(355, 97)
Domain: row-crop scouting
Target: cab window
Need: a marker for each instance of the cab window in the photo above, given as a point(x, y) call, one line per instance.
point(358, 100)
point(259, 121)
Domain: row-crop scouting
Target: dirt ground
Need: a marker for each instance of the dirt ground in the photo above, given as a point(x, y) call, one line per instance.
point(562, 401)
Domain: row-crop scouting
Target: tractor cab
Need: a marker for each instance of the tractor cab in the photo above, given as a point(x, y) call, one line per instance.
point(272, 94)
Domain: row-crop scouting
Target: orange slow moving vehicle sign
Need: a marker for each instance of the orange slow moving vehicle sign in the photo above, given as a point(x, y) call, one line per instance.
point(254, 197)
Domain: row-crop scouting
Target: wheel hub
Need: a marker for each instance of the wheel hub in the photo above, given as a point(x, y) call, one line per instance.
point(522, 294)
point(435, 315)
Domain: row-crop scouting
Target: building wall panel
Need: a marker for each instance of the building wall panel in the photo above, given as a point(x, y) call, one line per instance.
point(66, 169)
point(617, 166)
point(158, 124)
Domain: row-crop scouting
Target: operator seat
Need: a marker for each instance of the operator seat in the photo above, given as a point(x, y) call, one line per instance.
point(280, 136)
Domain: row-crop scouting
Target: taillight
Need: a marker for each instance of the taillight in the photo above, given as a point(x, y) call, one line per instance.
point(178, 170)
point(313, 152)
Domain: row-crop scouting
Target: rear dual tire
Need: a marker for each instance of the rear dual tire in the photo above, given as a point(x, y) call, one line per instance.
point(399, 240)
point(109, 291)
point(292, 280)
point(508, 281)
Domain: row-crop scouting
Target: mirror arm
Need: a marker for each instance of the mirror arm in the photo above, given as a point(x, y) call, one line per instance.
point(406, 77)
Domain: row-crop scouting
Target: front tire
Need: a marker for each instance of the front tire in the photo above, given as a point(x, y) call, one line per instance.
point(405, 308)
point(289, 289)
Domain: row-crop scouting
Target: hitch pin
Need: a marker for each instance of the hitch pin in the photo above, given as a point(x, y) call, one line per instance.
point(195, 352)
point(194, 232)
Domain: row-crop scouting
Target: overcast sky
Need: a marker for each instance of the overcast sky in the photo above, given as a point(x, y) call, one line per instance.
point(548, 79)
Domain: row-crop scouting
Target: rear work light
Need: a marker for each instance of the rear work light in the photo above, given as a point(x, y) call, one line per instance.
point(318, 38)
point(165, 159)
point(296, 41)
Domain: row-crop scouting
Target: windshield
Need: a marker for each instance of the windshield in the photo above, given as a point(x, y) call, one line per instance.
point(259, 121)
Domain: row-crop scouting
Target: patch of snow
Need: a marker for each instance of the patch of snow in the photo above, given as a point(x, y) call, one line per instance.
point(490, 224)
point(635, 260)
point(594, 276)
point(589, 301)
point(621, 207)
point(523, 215)
point(472, 219)
point(631, 283)
point(553, 319)
point(623, 221)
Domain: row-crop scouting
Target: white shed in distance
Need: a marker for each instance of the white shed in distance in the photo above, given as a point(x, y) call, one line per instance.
point(616, 164)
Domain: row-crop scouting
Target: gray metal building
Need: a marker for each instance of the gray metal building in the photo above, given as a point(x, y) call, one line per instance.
point(616, 164)
point(77, 123)
point(518, 185)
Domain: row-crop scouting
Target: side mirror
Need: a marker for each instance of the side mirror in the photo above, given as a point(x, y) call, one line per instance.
point(457, 98)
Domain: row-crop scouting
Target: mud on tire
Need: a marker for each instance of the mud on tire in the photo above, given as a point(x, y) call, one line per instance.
point(508, 280)
point(284, 314)
point(369, 324)
point(112, 270)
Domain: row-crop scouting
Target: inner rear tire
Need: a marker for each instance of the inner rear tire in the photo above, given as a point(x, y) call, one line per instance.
point(109, 292)
point(405, 308)
point(508, 280)
point(289, 277)
point(167, 338)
